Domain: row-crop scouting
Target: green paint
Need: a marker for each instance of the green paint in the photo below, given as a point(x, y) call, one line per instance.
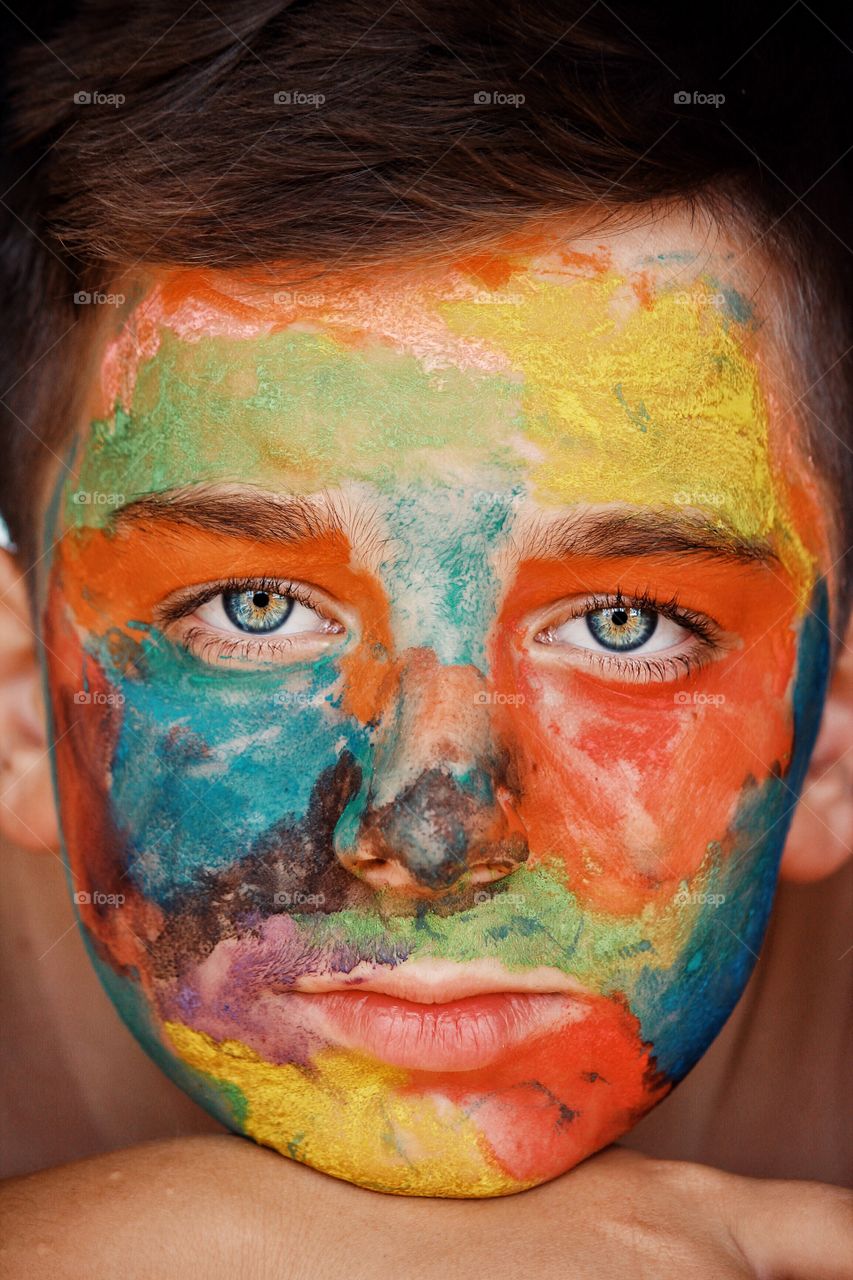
point(293, 1146)
point(639, 416)
point(292, 408)
point(551, 928)
point(737, 307)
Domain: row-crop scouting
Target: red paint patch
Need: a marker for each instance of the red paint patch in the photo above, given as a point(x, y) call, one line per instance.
point(561, 1099)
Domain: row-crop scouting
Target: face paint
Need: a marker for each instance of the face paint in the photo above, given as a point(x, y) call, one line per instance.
point(433, 670)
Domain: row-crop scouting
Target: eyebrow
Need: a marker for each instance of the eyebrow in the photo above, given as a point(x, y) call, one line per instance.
point(238, 512)
point(620, 532)
point(614, 532)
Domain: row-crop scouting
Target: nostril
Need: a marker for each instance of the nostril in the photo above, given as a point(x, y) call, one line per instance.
point(486, 872)
point(433, 833)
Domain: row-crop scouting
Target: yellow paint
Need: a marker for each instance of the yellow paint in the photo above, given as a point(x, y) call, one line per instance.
point(639, 404)
point(347, 1116)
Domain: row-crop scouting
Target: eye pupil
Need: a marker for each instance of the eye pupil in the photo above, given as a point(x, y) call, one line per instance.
point(257, 611)
point(620, 628)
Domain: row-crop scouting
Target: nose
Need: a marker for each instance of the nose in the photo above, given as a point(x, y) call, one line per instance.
point(438, 805)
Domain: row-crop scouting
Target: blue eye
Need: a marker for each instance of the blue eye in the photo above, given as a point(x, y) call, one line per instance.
point(621, 628)
point(257, 612)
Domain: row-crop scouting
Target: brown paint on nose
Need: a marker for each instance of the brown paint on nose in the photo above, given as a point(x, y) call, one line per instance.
point(438, 806)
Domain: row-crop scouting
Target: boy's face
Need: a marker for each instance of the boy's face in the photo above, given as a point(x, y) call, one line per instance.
point(433, 667)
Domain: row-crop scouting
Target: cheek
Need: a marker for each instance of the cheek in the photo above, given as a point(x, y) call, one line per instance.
point(626, 788)
point(201, 778)
point(170, 773)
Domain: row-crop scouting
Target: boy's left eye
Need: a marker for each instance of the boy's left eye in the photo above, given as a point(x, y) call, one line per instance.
point(637, 639)
point(620, 629)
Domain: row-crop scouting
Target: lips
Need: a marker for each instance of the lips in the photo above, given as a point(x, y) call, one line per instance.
point(423, 1014)
point(433, 981)
point(449, 1035)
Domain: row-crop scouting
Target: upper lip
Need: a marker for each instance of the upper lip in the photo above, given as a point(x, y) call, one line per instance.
point(440, 981)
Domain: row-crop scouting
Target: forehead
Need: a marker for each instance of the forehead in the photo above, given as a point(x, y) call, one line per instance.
point(631, 369)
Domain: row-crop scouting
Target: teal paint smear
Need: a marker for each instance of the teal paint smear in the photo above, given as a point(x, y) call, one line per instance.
point(639, 416)
point(682, 257)
point(208, 760)
point(737, 307)
point(222, 1099)
point(440, 575)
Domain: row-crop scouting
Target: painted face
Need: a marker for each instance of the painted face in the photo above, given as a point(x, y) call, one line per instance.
point(434, 666)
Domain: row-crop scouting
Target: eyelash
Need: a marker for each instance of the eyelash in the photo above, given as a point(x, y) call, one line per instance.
point(652, 669)
point(201, 642)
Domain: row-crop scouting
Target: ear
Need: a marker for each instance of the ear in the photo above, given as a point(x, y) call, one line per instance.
point(27, 807)
point(821, 836)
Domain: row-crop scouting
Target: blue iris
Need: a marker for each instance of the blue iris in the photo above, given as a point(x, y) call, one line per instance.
point(257, 611)
point(621, 628)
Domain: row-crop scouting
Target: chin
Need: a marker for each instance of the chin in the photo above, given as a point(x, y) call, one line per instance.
point(458, 1130)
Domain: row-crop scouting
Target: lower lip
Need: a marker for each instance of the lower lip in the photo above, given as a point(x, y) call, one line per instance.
point(459, 1035)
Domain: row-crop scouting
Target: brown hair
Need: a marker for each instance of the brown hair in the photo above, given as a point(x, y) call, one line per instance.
point(345, 133)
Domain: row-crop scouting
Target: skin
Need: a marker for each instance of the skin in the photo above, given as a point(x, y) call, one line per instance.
point(444, 766)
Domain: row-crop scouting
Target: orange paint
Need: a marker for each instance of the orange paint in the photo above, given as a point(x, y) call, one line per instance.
point(490, 269)
point(601, 763)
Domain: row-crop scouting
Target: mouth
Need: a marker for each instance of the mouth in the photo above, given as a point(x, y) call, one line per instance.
point(430, 981)
point(453, 1035)
point(433, 1015)
point(422, 1013)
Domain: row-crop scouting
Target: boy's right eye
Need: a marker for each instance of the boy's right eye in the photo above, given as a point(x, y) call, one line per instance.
point(257, 621)
point(258, 612)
